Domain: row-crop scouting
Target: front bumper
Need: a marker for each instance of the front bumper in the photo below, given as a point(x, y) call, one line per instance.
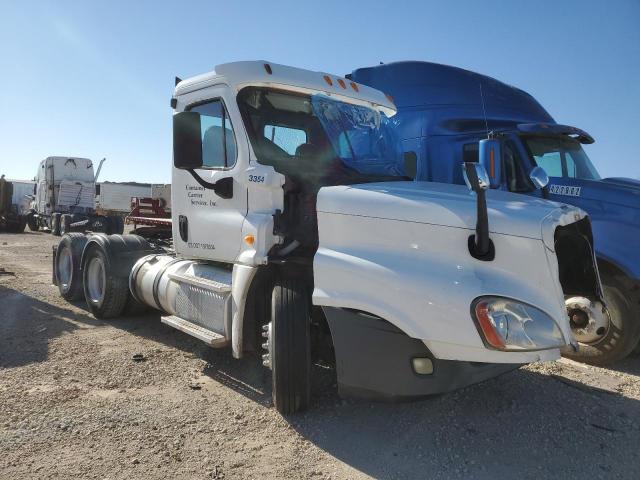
point(374, 360)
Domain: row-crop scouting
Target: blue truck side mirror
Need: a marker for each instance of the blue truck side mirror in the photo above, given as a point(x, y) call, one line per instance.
point(491, 159)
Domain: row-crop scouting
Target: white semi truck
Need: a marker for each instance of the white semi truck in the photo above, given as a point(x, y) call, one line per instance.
point(298, 234)
point(64, 198)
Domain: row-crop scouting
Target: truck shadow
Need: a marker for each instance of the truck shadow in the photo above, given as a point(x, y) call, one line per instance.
point(28, 324)
point(520, 424)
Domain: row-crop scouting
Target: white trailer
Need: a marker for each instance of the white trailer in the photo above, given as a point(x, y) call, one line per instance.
point(162, 192)
point(295, 227)
point(114, 198)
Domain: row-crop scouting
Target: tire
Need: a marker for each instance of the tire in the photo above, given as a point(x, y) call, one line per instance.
point(117, 225)
point(67, 268)
point(65, 224)
point(100, 224)
point(624, 327)
point(290, 346)
point(106, 294)
point(21, 225)
point(32, 221)
point(55, 224)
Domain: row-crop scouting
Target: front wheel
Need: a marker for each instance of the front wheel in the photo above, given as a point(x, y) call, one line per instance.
point(289, 346)
point(617, 339)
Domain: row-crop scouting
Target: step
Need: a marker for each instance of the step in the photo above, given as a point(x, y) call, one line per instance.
point(207, 336)
point(201, 282)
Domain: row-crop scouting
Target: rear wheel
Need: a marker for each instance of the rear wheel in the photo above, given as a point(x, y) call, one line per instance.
point(100, 224)
point(65, 224)
point(67, 267)
point(106, 294)
point(617, 339)
point(117, 225)
point(289, 346)
point(32, 221)
point(55, 224)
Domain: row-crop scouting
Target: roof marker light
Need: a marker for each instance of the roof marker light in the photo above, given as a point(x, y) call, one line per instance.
point(267, 67)
point(327, 79)
point(354, 86)
point(341, 83)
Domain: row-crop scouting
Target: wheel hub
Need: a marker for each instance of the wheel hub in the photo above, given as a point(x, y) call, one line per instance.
point(589, 321)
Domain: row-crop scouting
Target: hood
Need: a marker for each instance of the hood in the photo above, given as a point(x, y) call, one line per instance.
point(617, 191)
point(445, 205)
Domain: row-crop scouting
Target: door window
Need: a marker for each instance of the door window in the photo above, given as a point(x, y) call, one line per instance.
point(288, 139)
point(218, 141)
point(517, 179)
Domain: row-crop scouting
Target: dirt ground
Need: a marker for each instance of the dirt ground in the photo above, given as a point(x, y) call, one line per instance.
point(74, 404)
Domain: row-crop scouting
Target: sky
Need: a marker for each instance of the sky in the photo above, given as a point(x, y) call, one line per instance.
point(94, 78)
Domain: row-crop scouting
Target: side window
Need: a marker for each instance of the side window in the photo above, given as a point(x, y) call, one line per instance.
point(288, 139)
point(551, 163)
point(218, 141)
point(572, 169)
point(517, 179)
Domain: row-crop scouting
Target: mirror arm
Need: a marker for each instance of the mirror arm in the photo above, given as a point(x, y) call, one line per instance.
point(223, 187)
point(480, 245)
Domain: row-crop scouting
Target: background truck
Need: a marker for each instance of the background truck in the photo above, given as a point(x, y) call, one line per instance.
point(444, 111)
point(12, 219)
point(297, 234)
point(64, 198)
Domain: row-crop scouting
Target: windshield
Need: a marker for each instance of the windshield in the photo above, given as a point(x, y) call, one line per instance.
point(561, 156)
point(319, 139)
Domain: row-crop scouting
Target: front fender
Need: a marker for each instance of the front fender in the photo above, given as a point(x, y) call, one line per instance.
point(422, 279)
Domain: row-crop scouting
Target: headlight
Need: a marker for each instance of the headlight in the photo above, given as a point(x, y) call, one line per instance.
point(507, 324)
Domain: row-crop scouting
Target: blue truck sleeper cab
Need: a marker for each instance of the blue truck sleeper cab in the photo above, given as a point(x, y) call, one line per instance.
point(441, 118)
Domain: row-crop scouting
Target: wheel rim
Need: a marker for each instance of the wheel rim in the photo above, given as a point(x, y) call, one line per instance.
point(65, 268)
point(95, 280)
point(588, 325)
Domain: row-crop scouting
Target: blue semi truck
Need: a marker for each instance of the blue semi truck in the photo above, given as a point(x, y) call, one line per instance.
point(444, 111)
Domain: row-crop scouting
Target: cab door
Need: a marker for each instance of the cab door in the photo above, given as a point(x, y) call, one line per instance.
point(207, 224)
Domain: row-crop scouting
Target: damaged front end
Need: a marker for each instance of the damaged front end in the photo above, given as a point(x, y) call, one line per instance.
point(580, 281)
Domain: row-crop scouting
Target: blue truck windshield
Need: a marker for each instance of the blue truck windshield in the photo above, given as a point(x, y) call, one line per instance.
point(561, 156)
point(318, 139)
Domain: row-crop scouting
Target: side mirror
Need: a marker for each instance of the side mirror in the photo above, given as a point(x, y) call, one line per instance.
point(187, 141)
point(475, 176)
point(539, 177)
point(491, 160)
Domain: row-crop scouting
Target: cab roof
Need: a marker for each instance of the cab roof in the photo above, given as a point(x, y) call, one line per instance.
point(262, 73)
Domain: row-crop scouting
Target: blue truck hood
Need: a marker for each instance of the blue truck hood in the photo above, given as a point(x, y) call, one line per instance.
point(618, 191)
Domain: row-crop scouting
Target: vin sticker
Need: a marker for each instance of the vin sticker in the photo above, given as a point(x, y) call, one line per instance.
point(565, 190)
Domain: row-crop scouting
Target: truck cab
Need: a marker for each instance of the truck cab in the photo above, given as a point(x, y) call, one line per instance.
point(299, 234)
point(445, 111)
point(64, 198)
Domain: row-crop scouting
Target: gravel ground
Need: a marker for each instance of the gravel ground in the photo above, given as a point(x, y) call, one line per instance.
point(74, 404)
